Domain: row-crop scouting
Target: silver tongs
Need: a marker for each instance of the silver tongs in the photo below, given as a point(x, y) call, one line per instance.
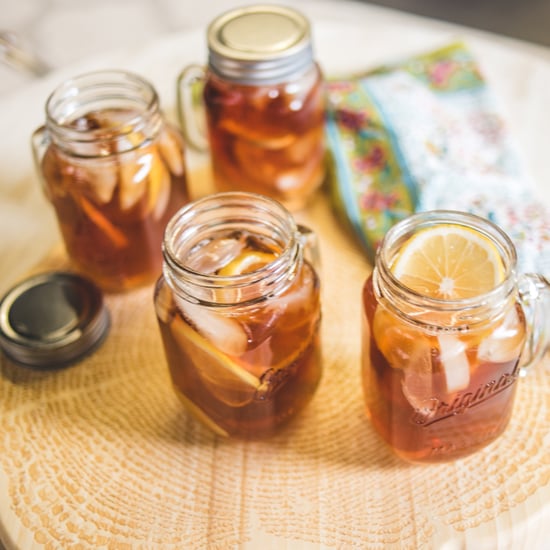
point(20, 58)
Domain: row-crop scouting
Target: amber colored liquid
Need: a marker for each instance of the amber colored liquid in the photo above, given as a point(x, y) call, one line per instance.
point(112, 211)
point(406, 392)
point(282, 353)
point(267, 139)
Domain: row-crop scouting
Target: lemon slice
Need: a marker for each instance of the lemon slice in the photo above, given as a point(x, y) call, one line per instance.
point(449, 262)
point(454, 360)
point(159, 187)
point(226, 379)
point(115, 235)
point(200, 415)
point(246, 262)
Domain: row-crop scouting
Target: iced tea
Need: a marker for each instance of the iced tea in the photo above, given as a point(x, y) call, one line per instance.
point(438, 396)
point(268, 138)
point(113, 201)
point(443, 333)
point(242, 369)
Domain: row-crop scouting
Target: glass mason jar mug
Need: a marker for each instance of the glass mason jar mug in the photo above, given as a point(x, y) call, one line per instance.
point(114, 170)
point(239, 312)
point(447, 330)
point(264, 102)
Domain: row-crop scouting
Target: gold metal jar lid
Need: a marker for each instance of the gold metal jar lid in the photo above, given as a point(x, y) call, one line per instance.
point(260, 44)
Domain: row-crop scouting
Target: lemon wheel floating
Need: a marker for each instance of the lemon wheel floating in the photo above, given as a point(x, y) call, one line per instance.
point(246, 262)
point(449, 262)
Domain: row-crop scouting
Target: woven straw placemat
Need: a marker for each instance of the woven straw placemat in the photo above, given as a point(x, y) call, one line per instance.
point(102, 454)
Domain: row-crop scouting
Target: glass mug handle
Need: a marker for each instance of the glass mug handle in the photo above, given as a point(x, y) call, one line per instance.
point(40, 141)
point(310, 246)
point(190, 106)
point(534, 293)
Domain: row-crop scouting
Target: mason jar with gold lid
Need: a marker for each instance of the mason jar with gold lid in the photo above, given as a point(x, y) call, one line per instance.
point(264, 104)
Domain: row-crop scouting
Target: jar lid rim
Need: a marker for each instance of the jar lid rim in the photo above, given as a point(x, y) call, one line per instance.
point(259, 44)
point(52, 319)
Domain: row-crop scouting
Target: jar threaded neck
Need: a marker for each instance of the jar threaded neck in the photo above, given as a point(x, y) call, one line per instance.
point(238, 52)
point(219, 215)
point(437, 313)
point(132, 98)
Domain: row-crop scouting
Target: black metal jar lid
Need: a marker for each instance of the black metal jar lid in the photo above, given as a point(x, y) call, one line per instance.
point(52, 320)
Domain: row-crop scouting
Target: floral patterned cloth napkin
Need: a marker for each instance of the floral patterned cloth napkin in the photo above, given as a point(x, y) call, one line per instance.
point(425, 134)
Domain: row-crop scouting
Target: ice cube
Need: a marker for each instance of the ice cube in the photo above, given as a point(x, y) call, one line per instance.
point(283, 168)
point(226, 378)
point(454, 362)
point(225, 333)
point(297, 299)
point(298, 295)
point(307, 173)
point(112, 118)
point(101, 180)
point(97, 178)
point(211, 256)
point(417, 389)
point(401, 344)
point(262, 322)
point(134, 173)
point(505, 343)
point(417, 381)
point(259, 358)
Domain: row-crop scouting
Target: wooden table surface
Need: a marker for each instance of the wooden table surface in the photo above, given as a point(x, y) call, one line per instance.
point(101, 455)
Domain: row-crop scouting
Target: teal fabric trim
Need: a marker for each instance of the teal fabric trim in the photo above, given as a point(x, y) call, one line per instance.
point(346, 200)
point(408, 179)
